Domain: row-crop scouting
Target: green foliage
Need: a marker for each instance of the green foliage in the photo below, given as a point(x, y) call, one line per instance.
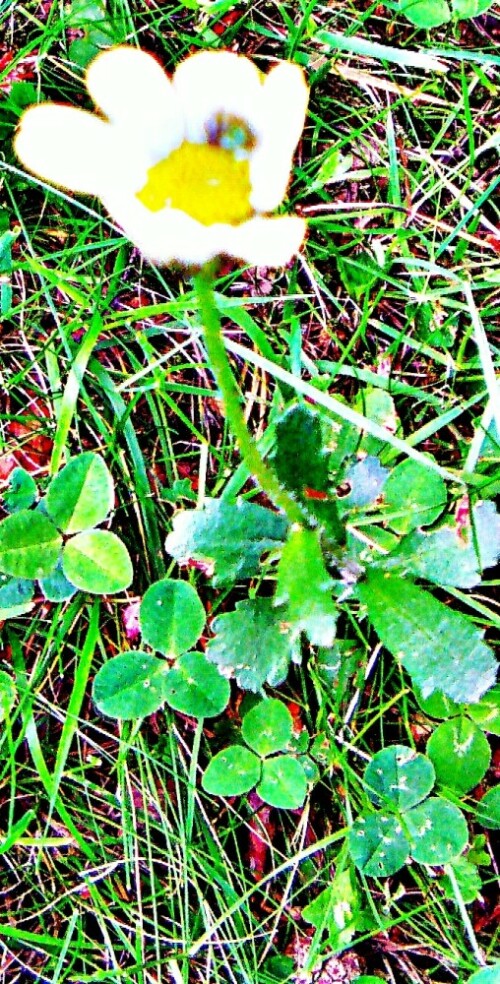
point(226, 538)
point(410, 823)
point(16, 595)
point(460, 754)
point(32, 548)
point(487, 975)
point(283, 783)
point(29, 545)
point(439, 647)
point(378, 845)
point(267, 727)
point(427, 14)
point(130, 685)
point(233, 771)
point(468, 880)
point(305, 588)
point(251, 644)
point(398, 777)
point(8, 694)
point(300, 458)
point(171, 617)
point(22, 493)
point(280, 779)
point(438, 831)
point(98, 562)
point(488, 811)
point(413, 496)
point(81, 495)
point(194, 686)
point(336, 910)
point(99, 31)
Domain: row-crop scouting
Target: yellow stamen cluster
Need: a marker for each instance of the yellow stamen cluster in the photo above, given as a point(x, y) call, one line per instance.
point(206, 181)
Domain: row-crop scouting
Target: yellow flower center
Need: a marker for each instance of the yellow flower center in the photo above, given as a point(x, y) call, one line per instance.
point(208, 181)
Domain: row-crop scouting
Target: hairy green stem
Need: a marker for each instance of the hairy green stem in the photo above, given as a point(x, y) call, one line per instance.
point(221, 368)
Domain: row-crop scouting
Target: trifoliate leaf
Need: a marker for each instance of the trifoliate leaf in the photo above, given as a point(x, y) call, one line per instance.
point(227, 538)
point(440, 648)
point(252, 644)
point(305, 589)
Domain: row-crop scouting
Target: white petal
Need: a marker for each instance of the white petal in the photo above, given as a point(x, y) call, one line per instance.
point(65, 146)
point(269, 242)
point(133, 91)
point(284, 107)
point(170, 235)
point(213, 82)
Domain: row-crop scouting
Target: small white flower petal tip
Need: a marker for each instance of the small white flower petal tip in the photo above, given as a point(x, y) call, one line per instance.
point(188, 167)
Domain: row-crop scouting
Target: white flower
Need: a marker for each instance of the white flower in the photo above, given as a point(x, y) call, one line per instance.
point(188, 167)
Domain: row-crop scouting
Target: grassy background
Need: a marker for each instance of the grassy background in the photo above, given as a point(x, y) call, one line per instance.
point(121, 868)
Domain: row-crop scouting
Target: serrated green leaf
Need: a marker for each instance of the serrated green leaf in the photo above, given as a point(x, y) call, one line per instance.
point(304, 587)
point(460, 754)
point(252, 644)
point(130, 686)
point(398, 777)
point(438, 831)
point(227, 538)
point(440, 648)
point(488, 809)
point(234, 771)
point(22, 493)
point(378, 845)
point(195, 687)
point(300, 459)
point(97, 561)
point(171, 617)
point(283, 783)
point(29, 545)
point(81, 494)
point(413, 496)
point(268, 727)
point(8, 694)
point(425, 13)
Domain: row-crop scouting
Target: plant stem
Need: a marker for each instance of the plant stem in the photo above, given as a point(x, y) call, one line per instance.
point(221, 368)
